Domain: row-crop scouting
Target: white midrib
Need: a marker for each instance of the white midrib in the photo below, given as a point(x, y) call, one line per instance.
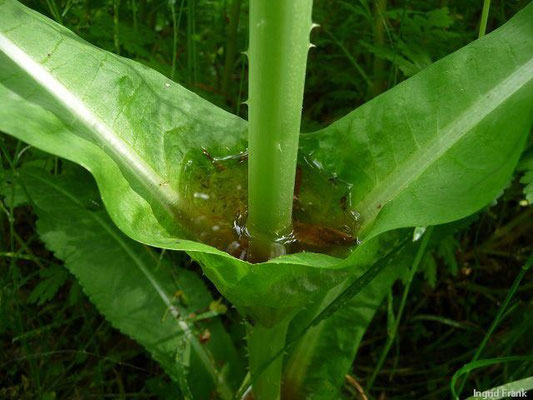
point(121, 151)
point(396, 182)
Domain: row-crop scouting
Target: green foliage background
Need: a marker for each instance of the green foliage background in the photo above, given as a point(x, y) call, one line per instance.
point(56, 345)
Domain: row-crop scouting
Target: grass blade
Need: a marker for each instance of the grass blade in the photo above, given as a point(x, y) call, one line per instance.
point(392, 336)
point(466, 369)
point(493, 326)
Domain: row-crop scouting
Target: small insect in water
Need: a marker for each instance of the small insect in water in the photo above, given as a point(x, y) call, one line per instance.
point(215, 162)
point(205, 336)
point(344, 203)
point(243, 156)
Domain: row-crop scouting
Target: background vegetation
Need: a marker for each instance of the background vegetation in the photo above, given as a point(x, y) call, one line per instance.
point(56, 345)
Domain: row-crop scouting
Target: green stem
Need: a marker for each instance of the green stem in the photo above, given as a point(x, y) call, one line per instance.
point(394, 330)
point(116, 39)
point(134, 15)
point(263, 344)
point(54, 11)
point(279, 42)
point(175, 30)
point(191, 41)
point(379, 84)
point(484, 18)
point(172, 6)
point(231, 45)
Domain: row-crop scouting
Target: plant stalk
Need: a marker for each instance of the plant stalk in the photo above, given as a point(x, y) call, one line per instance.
point(263, 344)
point(116, 38)
point(191, 41)
point(231, 44)
point(484, 18)
point(380, 83)
point(279, 43)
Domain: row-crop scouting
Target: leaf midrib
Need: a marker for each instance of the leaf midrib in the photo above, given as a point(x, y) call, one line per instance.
point(122, 152)
point(409, 171)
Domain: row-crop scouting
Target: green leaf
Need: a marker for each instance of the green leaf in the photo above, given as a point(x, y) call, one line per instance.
point(53, 278)
point(446, 249)
point(139, 292)
point(442, 144)
point(429, 151)
point(316, 368)
point(439, 18)
point(526, 166)
point(131, 127)
point(429, 268)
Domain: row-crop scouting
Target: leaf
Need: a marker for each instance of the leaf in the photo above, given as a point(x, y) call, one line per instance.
point(13, 194)
point(135, 290)
point(429, 268)
point(442, 144)
point(316, 368)
point(96, 121)
point(429, 151)
point(327, 309)
point(53, 278)
point(446, 250)
point(439, 18)
point(526, 166)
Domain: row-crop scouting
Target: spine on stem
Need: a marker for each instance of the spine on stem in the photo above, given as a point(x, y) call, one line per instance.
point(279, 43)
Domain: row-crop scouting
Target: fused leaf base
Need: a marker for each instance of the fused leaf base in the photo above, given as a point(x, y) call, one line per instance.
point(434, 149)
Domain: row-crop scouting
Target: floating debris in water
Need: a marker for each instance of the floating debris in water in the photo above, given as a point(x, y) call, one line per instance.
point(214, 192)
